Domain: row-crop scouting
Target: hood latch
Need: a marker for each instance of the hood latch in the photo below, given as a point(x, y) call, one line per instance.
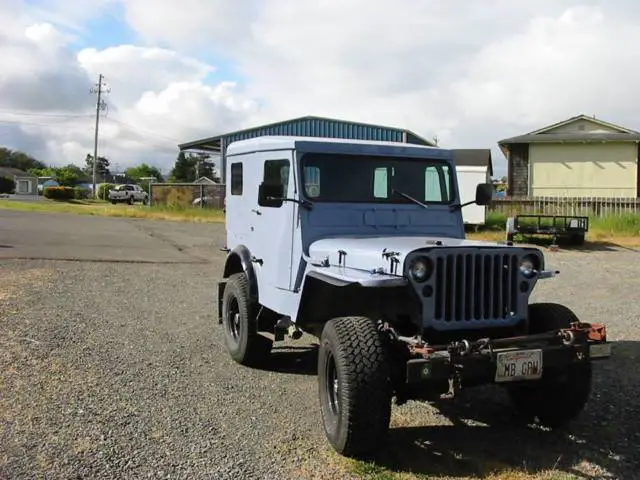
point(393, 260)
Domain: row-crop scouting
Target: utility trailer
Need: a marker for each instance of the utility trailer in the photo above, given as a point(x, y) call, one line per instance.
point(571, 227)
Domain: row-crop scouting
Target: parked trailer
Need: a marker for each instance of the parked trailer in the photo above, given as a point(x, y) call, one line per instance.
point(571, 227)
point(473, 167)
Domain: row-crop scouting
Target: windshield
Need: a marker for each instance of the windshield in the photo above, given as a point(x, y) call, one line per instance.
point(360, 178)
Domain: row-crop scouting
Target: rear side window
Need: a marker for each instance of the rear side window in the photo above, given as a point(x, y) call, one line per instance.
point(236, 178)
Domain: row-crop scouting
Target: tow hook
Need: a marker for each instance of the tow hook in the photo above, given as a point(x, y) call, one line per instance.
point(294, 332)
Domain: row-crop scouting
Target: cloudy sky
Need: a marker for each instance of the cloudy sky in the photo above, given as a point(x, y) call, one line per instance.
point(470, 72)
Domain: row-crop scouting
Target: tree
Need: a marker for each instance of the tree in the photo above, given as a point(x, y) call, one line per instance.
point(20, 160)
point(190, 168)
point(102, 166)
point(42, 172)
point(203, 167)
point(143, 170)
point(7, 185)
point(182, 169)
point(68, 175)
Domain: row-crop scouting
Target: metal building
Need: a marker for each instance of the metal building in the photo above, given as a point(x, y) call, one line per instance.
point(308, 126)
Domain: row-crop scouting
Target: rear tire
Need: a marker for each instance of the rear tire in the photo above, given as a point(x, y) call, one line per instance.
point(576, 239)
point(562, 393)
point(354, 386)
point(245, 345)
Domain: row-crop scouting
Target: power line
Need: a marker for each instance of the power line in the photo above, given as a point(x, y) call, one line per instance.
point(143, 131)
point(37, 124)
point(98, 89)
point(22, 113)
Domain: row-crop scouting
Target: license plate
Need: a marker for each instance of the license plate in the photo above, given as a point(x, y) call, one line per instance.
point(519, 365)
point(600, 350)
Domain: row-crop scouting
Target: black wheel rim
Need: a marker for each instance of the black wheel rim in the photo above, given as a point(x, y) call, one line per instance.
point(332, 386)
point(233, 318)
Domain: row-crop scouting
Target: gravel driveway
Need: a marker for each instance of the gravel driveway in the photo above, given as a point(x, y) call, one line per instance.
point(111, 369)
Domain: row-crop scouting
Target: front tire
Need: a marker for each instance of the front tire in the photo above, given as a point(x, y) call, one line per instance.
point(354, 385)
point(563, 391)
point(245, 345)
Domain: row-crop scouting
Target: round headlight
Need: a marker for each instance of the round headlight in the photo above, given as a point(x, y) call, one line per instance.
point(420, 269)
point(528, 266)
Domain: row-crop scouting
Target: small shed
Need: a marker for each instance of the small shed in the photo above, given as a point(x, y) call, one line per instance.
point(26, 185)
point(473, 166)
point(204, 181)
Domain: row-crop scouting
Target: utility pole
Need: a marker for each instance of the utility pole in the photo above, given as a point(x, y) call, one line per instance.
point(99, 88)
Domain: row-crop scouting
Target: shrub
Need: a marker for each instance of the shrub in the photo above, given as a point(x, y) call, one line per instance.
point(103, 190)
point(7, 185)
point(59, 193)
point(80, 193)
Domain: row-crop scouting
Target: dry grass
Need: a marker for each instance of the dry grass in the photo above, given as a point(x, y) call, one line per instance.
point(594, 238)
point(103, 209)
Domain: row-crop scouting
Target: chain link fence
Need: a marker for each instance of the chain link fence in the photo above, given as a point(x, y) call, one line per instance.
point(184, 195)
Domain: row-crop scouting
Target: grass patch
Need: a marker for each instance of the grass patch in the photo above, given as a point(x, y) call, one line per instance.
point(486, 470)
point(103, 209)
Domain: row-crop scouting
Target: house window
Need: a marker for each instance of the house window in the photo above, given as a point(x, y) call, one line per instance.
point(236, 178)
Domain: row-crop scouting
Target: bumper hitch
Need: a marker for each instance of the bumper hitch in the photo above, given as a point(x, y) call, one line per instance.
point(477, 361)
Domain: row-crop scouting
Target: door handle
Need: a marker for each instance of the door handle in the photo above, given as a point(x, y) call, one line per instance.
point(256, 211)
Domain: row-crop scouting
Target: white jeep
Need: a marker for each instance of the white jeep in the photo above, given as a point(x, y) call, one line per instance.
point(361, 244)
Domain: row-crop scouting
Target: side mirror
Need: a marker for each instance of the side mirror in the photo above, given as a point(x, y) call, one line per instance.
point(484, 194)
point(270, 194)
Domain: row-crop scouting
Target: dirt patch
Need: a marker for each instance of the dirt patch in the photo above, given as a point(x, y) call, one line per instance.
point(14, 281)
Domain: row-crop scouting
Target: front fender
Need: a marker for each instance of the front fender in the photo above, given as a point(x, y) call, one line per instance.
point(239, 260)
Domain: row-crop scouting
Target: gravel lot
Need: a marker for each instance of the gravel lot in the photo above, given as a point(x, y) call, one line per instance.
point(111, 366)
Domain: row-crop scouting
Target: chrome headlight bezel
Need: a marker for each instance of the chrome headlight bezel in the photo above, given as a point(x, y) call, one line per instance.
point(529, 265)
point(421, 269)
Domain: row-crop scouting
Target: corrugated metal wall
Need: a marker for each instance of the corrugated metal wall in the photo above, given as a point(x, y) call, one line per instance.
point(321, 128)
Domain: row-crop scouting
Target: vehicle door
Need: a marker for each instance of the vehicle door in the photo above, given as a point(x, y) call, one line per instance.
point(273, 226)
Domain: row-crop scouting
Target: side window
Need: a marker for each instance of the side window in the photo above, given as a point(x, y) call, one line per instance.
point(236, 178)
point(312, 181)
point(277, 171)
point(380, 183)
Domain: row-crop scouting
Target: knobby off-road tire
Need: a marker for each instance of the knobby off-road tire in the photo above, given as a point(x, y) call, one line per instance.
point(242, 340)
point(562, 392)
point(354, 386)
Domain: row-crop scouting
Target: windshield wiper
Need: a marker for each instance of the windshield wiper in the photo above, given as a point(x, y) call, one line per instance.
point(418, 202)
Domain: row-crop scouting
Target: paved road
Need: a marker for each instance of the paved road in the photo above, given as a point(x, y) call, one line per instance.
point(68, 237)
point(112, 369)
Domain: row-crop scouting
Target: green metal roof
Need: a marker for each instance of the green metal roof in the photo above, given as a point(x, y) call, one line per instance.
point(311, 126)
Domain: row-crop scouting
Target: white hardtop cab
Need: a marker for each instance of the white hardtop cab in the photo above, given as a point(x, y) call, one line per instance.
point(338, 197)
point(284, 142)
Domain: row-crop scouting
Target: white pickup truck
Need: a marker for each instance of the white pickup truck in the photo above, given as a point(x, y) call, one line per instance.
point(128, 193)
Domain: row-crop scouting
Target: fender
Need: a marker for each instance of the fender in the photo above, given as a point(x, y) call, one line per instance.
point(240, 260)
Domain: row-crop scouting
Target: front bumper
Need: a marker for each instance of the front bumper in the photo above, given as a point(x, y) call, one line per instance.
point(508, 360)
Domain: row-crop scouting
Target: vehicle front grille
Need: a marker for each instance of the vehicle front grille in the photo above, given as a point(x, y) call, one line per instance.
point(475, 286)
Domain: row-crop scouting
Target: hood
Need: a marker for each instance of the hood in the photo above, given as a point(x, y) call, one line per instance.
point(367, 252)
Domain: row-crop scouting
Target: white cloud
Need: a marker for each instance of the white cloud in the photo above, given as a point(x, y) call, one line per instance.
point(469, 71)
point(158, 98)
